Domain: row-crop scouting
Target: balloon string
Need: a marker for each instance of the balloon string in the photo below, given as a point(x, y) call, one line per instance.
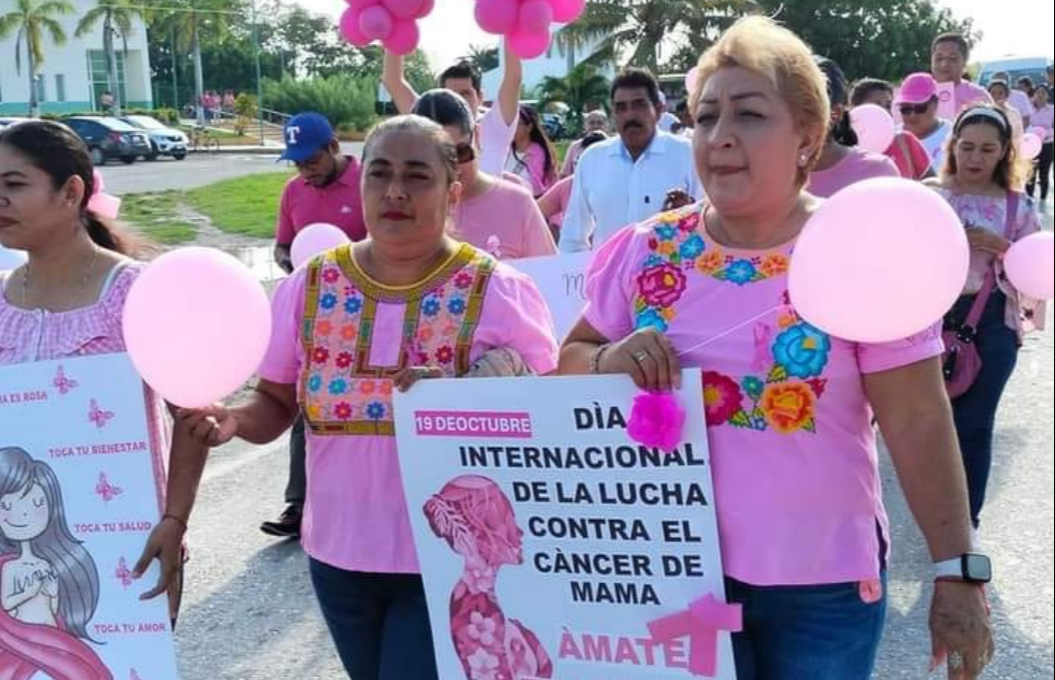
point(730, 331)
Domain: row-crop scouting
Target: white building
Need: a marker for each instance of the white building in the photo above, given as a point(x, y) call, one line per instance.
point(555, 63)
point(73, 76)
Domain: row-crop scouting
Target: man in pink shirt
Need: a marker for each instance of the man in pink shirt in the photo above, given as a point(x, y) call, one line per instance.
point(948, 62)
point(326, 189)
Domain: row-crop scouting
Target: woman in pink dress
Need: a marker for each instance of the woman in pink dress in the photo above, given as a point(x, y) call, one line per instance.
point(476, 519)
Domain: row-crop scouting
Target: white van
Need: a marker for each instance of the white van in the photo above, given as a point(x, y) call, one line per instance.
point(1019, 67)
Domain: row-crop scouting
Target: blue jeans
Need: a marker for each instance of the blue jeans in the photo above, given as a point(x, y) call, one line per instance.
point(378, 622)
point(975, 410)
point(806, 632)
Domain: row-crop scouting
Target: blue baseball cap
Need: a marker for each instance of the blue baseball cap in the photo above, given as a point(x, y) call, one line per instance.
point(305, 135)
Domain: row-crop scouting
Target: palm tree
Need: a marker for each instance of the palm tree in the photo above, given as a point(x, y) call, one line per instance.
point(483, 58)
point(645, 27)
point(580, 88)
point(193, 21)
point(118, 17)
point(31, 19)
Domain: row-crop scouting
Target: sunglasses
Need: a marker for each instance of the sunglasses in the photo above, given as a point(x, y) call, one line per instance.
point(464, 152)
point(914, 109)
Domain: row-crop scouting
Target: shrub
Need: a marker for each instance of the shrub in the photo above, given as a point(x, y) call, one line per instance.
point(342, 99)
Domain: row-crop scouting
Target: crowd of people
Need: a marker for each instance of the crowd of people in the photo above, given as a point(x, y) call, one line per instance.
point(448, 191)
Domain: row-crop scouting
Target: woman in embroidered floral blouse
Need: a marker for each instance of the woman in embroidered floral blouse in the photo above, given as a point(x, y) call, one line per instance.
point(350, 327)
point(802, 526)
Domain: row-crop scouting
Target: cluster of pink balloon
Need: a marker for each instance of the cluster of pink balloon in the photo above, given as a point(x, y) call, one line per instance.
point(886, 258)
point(393, 22)
point(526, 23)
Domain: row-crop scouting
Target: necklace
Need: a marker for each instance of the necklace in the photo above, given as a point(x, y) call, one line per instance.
point(83, 283)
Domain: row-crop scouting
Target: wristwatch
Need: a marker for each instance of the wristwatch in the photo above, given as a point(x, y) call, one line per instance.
point(969, 568)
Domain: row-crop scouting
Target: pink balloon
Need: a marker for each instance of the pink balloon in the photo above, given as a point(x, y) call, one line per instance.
point(375, 22)
point(197, 324)
point(1030, 146)
point(1030, 266)
point(528, 45)
point(853, 276)
point(874, 127)
point(1038, 131)
point(402, 9)
point(349, 27)
point(535, 17)
point(692, 80)
point(497, 16)
point(404, 37)
point(567, 11)
point(313, 240)
point(362, 4)
point(425, 9)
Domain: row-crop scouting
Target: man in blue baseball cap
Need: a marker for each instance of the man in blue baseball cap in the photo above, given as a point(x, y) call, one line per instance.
point(326, 189)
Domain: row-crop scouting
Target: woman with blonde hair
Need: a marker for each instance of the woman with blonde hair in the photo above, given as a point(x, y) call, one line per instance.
point(804, 535)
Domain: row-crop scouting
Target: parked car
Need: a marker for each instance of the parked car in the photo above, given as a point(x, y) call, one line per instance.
point(164, 141)
point(108, 138)
point(1017, 67)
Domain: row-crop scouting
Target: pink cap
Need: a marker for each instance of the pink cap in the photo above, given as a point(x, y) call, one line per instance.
point(918, 88)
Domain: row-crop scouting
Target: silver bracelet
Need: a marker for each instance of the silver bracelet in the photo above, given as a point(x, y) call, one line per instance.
point(595, 358)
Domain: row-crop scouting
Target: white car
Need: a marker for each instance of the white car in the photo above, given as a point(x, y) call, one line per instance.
point(164, 141)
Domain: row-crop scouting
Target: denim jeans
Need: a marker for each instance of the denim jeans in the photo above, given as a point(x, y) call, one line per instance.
point(379, 623)
point(975, 410)
point(824, 632)
point(297, 486)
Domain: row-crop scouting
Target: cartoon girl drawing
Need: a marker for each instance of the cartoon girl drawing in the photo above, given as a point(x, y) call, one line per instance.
point(476, 519)
point(49, 586)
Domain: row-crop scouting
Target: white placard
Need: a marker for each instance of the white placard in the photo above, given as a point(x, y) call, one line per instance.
point(562, 281)
point(548, 539)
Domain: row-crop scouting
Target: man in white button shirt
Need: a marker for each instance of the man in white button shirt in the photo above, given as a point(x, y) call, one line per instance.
point(626, 179)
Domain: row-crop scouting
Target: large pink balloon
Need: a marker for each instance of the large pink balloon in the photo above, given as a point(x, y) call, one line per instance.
point(402, 9)
point(1030, 266)
point(528, 45)
point(404, 37)
point(880, 261)
point(535, 16)
point(375, 22)
point(425, 9)
point(874, 127)
point(313, 240)
point(349, 27)
point(197, 324)
point(362, 4)
point(1030, 146)
point(567, 11)
point(497, 16)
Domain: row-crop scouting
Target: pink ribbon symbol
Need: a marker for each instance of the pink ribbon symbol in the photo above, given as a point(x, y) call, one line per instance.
point(102, 204)
point(701, 622)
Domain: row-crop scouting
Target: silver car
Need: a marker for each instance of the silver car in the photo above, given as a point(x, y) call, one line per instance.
point(164, 141)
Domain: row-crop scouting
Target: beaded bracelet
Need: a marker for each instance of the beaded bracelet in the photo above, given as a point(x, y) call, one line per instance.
point(595, 358)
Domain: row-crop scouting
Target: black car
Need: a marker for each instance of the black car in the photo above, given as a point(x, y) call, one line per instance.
point(108, 138)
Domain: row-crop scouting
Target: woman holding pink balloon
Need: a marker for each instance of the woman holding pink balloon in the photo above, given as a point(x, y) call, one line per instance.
point(789, 406)
point(979, 181)
point(905, 150)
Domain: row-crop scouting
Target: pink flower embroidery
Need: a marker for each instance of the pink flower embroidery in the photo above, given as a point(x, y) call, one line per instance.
point(722, 397)
point(690, 222)
point(344, 360)
point(343, 411)
point(463, 280)
point(445, 354)
point(330, 275)
point(662, 285)
point(321, 355)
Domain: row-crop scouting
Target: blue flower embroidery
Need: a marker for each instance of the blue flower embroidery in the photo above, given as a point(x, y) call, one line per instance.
point(653, 261)
point(375, 410)
point(315, 383)
point(802, 351)
point(666, 232)
point(328, 301)
point(338, 386)
point(352, 305)
point(693, 247)
point(431, 307)
point(456, 306)
point(753, 387)
point(650, 318)
point(741, 272)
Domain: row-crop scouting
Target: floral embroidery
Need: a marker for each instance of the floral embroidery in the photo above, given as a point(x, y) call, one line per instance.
point(742, 272)
point(445, 354)
point(692, 248)
point(343, 410)
point(344, 360)
point(789, 407)
point(367, 387)
point(338, 386)
point(456, 306)
point(328, 301)
point(330, 275)
point(431, 307)
point(375, 410)
point(661, 286)
point(773, 265)
point(651, 318)
point(722, 397)
point(463, 280)
point(324, 327)
point(710, 262)
point(349, 332)
point(315, 383)
point(802, 351)
point(352, 305)
point(321, 355)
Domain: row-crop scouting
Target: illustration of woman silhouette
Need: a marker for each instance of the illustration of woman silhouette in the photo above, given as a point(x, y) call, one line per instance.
point(476, 519)
point(49, 586)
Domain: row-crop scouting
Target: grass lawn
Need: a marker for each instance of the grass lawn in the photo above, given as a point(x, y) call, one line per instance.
point(154, 216)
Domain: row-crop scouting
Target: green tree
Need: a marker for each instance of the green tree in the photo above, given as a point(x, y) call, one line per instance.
point(871, 38)
point(580, 89)
point(118, 19)
point(483, 58)
point(30, 20)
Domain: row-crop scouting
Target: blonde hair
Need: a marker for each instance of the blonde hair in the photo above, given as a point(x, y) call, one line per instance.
point(761, 45)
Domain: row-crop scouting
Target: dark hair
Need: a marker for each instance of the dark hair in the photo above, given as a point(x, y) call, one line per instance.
point(529, 116)
point(842, 132)
point(999, 83)
point(446, 108)
point(1007, 173)
point(61, 154)
point(421, 125)
point(956, 39)
point(1027, 82)
point(463, 69)
point(591, 139)
point(636, 78)
point(866, 87)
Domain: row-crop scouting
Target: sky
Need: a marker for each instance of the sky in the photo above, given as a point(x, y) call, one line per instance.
point(1022, 27)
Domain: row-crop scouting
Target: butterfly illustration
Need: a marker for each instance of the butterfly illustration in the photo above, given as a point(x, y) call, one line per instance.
point(62, 383)
point(99, 416)
point(106, 490)
point(122, 573)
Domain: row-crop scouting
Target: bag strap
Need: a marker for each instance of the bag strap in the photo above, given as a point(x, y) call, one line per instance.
point(982, 299)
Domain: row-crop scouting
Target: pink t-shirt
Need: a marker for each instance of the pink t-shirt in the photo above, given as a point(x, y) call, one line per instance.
point(909, 155)
point(856, 167)
point(1045, 118)
point(793, 451)
point(968, 94)
point(356, 517)
point(495, 137)
point(555, 201)
point(339, 204)
point(504, 221)
point(531, 167)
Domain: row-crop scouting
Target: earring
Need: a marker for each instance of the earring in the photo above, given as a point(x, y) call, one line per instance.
point(803, 160)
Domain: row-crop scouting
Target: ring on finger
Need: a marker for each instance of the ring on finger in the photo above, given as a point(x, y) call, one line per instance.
point(640, 355)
